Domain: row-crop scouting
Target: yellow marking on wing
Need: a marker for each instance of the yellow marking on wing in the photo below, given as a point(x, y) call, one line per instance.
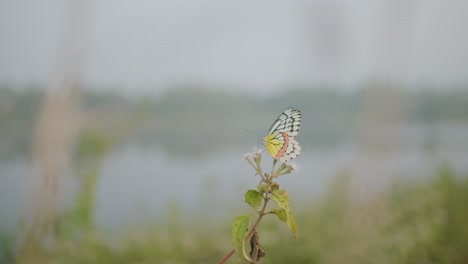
point(273, 144)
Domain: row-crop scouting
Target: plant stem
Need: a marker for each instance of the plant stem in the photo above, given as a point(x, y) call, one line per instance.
point(273, 167)
point(227, 257)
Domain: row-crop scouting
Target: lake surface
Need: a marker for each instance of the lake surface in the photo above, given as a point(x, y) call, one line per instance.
point(139, 184)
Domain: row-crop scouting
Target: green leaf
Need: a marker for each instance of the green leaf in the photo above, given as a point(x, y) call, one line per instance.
point(253, 198)
point(281, 198)
point(280, 213)
point(240, 226)
point(292, 224)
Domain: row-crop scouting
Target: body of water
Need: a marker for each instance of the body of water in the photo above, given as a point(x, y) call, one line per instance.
point(140, 184)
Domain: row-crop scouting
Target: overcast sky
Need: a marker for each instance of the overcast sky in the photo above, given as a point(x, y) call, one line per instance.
point(248, 45)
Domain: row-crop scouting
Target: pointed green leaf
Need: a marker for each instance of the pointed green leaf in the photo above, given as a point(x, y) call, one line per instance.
point(253, 198)
point(240, 226)
point(280, 213)
point(281, 198)
point(292, 224)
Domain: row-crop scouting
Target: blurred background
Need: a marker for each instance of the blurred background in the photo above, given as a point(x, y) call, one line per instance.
point(123, 126)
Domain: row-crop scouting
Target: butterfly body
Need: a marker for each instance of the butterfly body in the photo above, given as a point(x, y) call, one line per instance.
point(280, 142)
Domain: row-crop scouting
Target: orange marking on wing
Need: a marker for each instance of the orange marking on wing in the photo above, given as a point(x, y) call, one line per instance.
point(285, 145)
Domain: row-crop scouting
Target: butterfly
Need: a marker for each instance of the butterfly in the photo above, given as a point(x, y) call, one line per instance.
point(280, 142)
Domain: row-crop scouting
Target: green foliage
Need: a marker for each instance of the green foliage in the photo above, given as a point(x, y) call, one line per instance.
point(240, 227)
point(92, 143)
point(91, 148)
point(253, 198)
point(6, 248)
point(413, 222)
point(429, 221)
point(281, 198)
point(152, 244)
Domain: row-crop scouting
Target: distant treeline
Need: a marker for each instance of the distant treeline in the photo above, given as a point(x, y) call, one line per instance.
point(193, 120)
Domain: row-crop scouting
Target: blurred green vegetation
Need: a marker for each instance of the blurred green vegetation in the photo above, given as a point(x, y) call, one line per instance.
point(92, 146)
point(412, 222)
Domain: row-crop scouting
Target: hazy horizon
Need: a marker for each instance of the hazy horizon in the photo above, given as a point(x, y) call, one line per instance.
point(259, 47)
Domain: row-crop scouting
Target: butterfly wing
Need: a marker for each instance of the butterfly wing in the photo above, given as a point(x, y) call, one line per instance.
point(275, 144)
point(293, 150)
point(280, 142)
point(289, 121)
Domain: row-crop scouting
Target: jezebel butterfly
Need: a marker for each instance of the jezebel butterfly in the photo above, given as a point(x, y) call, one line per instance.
point(280, 142)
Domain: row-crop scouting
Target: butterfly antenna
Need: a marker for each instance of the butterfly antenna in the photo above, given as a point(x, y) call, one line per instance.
point(248, 131)
point(260, 143)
